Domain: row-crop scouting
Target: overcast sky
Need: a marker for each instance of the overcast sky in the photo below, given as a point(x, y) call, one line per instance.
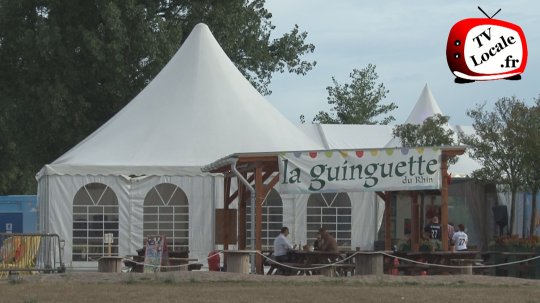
point(406, 40)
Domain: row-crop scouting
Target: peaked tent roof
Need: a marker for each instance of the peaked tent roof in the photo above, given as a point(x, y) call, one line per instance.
point(199, 108)
point(343, 136)
point(425, 107)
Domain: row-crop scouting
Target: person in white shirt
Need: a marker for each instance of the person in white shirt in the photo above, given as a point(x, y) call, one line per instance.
point(282, 246)
point(460, 238)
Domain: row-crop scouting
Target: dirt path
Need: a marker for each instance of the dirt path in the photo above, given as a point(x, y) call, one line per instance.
point(228, 287)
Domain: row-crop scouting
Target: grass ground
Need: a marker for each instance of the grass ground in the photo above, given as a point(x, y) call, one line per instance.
point(226, 287)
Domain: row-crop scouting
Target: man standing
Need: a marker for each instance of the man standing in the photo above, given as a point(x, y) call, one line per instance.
point(433, 229)
point(460, 238)
point(282, 246)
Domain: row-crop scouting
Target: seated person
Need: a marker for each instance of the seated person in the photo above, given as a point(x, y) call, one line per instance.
point(326, 242)
point(282, 246)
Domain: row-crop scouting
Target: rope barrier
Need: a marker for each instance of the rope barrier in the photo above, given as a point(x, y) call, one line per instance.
point(460, 266)
point(399, 258)
point(345, 260)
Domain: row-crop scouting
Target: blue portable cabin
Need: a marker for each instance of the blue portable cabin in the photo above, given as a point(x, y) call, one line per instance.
point(18, 214)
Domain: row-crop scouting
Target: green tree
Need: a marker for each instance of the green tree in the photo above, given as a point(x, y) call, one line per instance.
point(529, 143)
point(495, 145)
point(68, 66)
point(432, 132)
point(357, 102)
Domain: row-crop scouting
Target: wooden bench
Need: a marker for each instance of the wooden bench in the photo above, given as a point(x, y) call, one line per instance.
point(287, 269)
point(336, 269)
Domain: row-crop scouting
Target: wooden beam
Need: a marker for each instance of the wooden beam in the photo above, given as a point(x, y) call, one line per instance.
point(231, 198)
point(444, 203)
point(388, 220)
point(271, 184)
point(415, 222)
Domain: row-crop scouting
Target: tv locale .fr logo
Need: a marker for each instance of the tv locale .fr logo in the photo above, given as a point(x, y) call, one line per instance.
point(486, 49)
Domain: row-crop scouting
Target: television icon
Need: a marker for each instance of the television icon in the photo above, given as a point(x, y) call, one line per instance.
point(486, 49)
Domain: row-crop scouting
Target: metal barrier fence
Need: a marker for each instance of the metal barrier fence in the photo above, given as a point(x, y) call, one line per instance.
point(30, 253)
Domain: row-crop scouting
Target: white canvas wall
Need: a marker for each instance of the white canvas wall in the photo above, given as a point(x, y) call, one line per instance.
point(204, 193)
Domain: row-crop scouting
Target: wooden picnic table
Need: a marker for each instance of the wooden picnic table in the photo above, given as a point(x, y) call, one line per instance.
point(303, 262)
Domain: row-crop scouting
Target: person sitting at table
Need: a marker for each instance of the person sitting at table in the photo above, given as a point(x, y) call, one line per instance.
point(326, 242)
point(460, 238)
point(433, 229)
point(282, 246)
point(316, 243)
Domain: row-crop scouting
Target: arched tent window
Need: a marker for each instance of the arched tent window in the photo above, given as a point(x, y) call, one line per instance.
point(166, 212)
point(95, 213)
point(333, 212)
point(272, 219)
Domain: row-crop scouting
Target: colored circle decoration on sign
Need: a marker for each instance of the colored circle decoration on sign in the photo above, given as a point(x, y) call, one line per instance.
point(297, 154)
point(313, 155)
point(328, 154)
point(404, 151)
point(344, 154)
point(374, 152)
point(420, 150)
point(390, 151)
point(359, 153)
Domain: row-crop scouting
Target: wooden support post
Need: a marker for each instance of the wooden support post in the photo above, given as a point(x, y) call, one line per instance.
point(444, 203)
point(415, 222)
point(388, 220)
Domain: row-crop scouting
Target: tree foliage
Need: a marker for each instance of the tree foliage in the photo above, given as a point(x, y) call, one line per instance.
point(432, 132)
point(357, 102)
point(530, 145)
point(495, 145)
point(68, 66)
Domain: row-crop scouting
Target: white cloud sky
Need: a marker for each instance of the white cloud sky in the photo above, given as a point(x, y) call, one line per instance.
point(406, 40)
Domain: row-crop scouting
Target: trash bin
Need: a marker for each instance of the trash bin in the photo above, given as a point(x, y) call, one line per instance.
point(213, 260)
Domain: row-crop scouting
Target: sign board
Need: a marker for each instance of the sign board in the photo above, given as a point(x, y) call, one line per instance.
point(156, 253)
point(219, 231)
point(360, 170)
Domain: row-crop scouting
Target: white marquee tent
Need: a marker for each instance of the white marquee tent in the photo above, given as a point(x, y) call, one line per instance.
point(124, 177)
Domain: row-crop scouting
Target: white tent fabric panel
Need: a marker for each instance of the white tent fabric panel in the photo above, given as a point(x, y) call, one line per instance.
point(202, 193)
point(366, 215)
point(367, 208)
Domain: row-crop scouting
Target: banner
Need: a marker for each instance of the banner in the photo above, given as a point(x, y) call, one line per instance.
point(360, 170)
